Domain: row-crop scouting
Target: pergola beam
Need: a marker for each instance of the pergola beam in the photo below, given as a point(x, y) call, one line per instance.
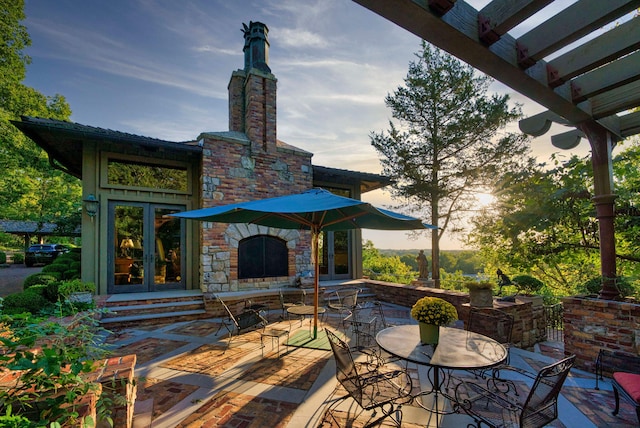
point(500, 16)
point(615, 43)
point(572, 23)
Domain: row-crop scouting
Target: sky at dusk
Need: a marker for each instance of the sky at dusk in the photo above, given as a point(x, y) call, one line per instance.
point(160, 68)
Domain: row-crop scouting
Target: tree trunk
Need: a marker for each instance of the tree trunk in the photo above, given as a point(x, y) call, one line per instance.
point(435, 245)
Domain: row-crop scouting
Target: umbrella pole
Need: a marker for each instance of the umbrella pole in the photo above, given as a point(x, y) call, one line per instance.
point(315, 232)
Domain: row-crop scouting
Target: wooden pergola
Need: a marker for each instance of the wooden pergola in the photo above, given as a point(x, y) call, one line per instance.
point(593, 86)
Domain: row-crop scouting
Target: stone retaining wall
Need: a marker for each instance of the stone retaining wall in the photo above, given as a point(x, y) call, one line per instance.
point(528, 314)
point(591, 324)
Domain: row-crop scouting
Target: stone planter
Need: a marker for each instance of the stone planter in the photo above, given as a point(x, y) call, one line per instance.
point(481, 297)
point(81, 297)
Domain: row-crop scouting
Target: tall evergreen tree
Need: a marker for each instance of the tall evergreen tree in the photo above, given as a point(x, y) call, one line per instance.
point(449, 142)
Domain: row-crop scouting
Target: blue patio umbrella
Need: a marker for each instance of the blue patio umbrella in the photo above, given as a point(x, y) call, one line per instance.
point(316, 210)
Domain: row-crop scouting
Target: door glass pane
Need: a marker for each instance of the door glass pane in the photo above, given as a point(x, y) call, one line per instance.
point(168, 261)
point(341, 252)
point(128, 262)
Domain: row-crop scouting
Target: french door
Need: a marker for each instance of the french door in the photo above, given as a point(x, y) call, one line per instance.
point(146, 250)
point(333, 248)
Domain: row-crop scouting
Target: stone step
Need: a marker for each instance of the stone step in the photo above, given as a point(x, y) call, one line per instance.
point(153, 318)
point(157, 308)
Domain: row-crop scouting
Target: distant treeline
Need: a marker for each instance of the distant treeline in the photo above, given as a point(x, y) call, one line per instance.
point(466, 261)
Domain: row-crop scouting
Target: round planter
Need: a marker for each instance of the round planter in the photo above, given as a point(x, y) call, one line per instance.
point(429, 333)
point(481, 298)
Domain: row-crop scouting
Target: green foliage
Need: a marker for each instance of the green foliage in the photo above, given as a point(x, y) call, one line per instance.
point(594, 285)
point(527, 284)
point(54, 267)
point(9, 420)
point(544, 222)
point(478, 285)
point(381, 268)
point(76, 286)
point(18, 303)
point(452, 280)
point(39, 278)
point(66, 353)
point(18, 258)
point(3, 257)
point(448, 142)
point(30, 189)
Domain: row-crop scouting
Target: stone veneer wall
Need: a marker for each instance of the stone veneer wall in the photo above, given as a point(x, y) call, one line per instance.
point(591, 324)
point(528, 314)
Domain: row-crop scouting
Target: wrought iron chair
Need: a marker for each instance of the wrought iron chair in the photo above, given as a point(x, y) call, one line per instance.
point(362, 322)
point(343, 301)
point(372, 388)
point(248, 318)
point(284, 305)
point(497, 409)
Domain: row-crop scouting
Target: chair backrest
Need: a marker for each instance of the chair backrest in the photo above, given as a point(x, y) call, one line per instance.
point(346, 371)
point(348, 298)
point(541, 405)
point(231, 316)
point(493, 323)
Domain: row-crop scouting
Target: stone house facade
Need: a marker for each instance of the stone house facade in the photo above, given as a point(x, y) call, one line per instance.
point(131, 185)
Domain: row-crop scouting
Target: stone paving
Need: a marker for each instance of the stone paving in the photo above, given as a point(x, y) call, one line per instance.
point(188, 378)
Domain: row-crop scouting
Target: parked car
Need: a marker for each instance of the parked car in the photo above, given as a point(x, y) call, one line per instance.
point(43, 253)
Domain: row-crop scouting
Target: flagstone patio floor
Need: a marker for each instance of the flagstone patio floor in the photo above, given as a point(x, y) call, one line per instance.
point(188, 378)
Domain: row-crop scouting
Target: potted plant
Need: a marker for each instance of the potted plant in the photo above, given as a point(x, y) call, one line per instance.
point(480, 293)
point(431, 313)
point(76, 290)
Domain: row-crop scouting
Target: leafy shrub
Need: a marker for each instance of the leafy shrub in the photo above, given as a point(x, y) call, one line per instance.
point(528, 284)
point(40, 278)
point(76, 286)
point(54, 267)
point(18, 258)
point(18, 303)
point(39, 289)
point(73, 347)
point(594, 285)
point(75, 265)
point(3, 257)
point(51, 293)
point(70, 274)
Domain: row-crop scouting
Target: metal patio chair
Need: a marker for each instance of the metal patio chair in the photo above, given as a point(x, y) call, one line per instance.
point(497, 409)
point(248, 318)
point(284, 305)
point(382, 388)
point(343, 301)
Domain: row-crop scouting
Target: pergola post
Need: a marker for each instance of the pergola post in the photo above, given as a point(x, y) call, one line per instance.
point(603, 199)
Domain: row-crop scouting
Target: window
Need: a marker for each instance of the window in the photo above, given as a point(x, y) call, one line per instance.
point(137, 174)
point(262, 256)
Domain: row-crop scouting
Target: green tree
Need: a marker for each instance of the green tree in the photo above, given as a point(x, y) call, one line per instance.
point(544, 222)
point(31, 189)
point(446, 145)
point(382, 268)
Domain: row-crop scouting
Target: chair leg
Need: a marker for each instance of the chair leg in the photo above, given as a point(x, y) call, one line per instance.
point(617, 397)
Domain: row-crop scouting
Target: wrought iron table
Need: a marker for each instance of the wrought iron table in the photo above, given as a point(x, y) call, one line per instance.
point(456, 350)
point(303, 311)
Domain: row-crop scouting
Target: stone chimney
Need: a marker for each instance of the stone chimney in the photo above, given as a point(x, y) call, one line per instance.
point(252, 91)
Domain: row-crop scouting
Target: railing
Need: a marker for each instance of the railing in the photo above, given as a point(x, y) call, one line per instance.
point(554, 323)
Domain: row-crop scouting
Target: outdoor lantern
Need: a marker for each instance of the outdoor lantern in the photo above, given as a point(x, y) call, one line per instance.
point(91, 205)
